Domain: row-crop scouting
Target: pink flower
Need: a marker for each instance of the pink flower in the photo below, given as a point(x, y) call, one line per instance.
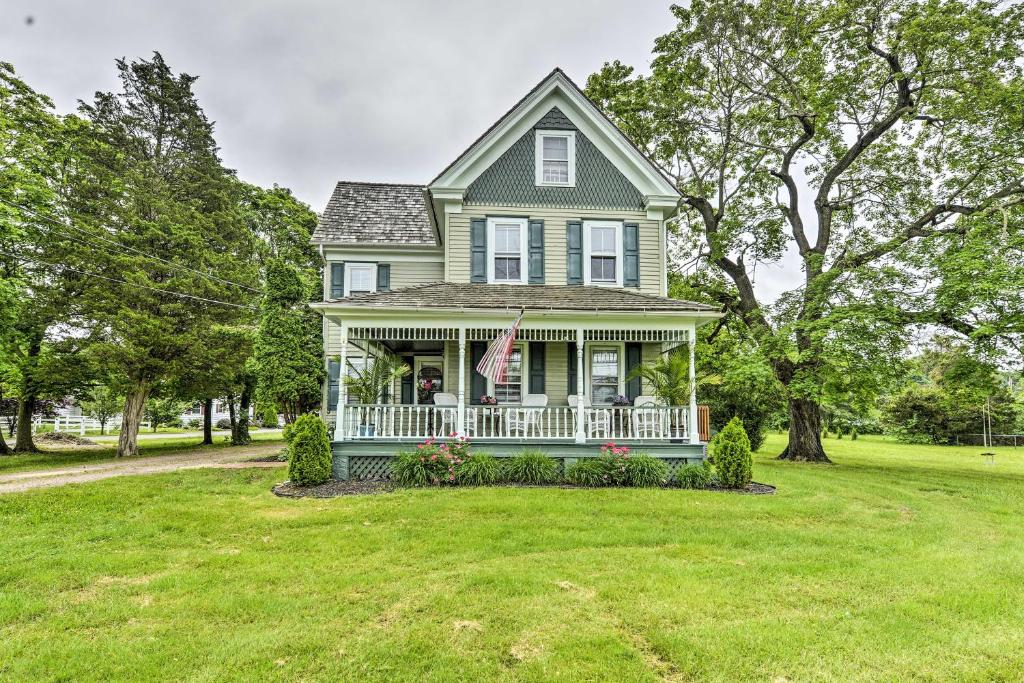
point(433, 457)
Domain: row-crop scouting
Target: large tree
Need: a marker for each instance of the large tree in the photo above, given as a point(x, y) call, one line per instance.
point(867, 139)
point(178, 255)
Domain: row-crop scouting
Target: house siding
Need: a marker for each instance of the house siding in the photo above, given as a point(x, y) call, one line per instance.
point(652, 258)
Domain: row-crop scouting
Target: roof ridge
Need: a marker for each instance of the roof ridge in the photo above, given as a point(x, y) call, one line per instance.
point(373, 183)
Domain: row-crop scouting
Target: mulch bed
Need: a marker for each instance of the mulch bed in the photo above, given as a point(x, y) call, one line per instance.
point(63, 438)
point(276, 457)
point(334, 488)
point(355, 487)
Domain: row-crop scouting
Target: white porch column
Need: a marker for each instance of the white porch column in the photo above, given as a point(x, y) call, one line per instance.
point(339, 412)
point(581, 432)
point(691, 335)
point(460, 423)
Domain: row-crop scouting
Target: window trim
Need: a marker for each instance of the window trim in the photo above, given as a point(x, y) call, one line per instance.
point(620, 347)
point(360, 265)
point(524, 237)
point(538, 155)
point(524, 375)
point(587, 225)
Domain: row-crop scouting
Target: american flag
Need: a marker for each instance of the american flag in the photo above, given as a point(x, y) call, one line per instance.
point(494, 364)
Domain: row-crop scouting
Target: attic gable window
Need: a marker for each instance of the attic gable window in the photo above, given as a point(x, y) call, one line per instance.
point(556, 158)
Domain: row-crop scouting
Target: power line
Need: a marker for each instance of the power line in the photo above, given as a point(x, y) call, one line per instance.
point(125, 246)
point(130, 284)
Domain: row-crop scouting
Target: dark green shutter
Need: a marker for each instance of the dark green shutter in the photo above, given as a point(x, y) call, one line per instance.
point(478, 250)
point(383, 277)
point(630, 255)
point(333, 386)
point(574, 253)
point(537, 367)
point(536, 252)
point(633, 360)
point(477, 382)
point(337, 280)
point(572, 368)
point(407, 381)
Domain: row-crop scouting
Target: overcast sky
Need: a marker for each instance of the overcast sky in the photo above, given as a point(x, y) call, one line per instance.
point(307, 93)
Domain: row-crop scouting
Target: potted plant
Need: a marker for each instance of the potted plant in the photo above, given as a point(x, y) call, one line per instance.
point(669, 380)
point(368, 385)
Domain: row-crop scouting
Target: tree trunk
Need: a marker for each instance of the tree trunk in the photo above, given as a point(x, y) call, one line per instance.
point(23, 442)
point(804, 432)
point(103, 426)
point(4, 450)
point(208, 422)
point(233, 418)
point(240, 437)
point(134, 405)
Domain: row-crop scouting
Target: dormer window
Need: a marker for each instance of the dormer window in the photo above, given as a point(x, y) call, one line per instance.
point(556, 158)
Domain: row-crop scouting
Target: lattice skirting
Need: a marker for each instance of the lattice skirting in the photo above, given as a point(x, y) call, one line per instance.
point(379, 466)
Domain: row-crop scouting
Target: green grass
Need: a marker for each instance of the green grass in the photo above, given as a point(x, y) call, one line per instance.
point(897, 563)
point(56, 458)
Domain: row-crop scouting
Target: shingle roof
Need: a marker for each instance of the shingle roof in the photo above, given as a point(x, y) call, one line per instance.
point(514, 297)
point(376, 213)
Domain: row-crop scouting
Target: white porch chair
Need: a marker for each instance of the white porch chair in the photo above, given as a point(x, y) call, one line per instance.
point(446, 412)
point(522, 420)
point(597, 422)
point(648, 421)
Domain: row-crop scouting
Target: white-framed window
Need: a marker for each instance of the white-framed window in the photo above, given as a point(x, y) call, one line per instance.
point(607, 369)
point(556, 158)
point(602, 253)
point(360, 278)
point(506, 250)
point(512, 390)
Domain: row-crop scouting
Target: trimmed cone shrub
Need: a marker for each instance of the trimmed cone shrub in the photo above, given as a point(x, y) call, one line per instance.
point(309, 452)
point(730, 454)
point(587, 472)
point(644, 470)
point(478, 469)
point(531, 467)
point(694, 476)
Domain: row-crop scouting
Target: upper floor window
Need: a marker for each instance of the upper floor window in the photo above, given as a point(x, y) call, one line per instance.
point(360, 278)
point(506, 262)
point(602, 248)
point(556, 158)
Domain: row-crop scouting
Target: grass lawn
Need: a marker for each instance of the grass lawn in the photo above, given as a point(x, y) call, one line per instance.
point(899, 562)
point(53, 457)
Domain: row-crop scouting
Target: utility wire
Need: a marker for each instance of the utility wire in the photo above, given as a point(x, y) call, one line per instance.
point(125, 246)
point(124, 282)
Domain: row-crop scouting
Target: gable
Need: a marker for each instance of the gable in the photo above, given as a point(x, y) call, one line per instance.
point(510, 179)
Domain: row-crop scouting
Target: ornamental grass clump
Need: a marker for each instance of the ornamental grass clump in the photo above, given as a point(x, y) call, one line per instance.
point(309, 452)
point(645, 471)
point(694, 476)
point(478, 469)
point(730, 454)
point(531, 467)
point(589, 472)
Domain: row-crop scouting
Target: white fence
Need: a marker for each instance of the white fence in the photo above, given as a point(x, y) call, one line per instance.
point(77, 424)
point(416, 422)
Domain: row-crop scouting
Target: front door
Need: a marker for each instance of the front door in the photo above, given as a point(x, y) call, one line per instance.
point(429, 376)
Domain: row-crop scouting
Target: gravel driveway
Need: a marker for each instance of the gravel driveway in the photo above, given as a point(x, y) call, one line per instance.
point(232, 457)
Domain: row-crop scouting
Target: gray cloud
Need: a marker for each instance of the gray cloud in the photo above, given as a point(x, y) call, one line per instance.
point(306, 93)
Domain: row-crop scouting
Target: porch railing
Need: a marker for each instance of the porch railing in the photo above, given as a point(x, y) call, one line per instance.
point(527, 423)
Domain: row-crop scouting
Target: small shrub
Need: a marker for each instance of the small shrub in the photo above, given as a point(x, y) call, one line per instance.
point(531, 467)
point(644, 470)
point(730, 454)
point(431, 464)
point(223, 423)
point(194, 425)
point(478, 469)
point(590, 472)
point(694, 476)
point(309, 452)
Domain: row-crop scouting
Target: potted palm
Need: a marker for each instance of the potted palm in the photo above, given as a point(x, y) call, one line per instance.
point(668, 379)
point(370, 384)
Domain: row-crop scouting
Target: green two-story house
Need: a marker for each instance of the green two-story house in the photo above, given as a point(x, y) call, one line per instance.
point(552, 211)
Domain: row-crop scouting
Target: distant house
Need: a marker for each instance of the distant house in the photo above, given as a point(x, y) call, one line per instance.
point(553, 211)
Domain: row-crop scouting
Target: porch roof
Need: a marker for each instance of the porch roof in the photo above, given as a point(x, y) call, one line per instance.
point(452, 295)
